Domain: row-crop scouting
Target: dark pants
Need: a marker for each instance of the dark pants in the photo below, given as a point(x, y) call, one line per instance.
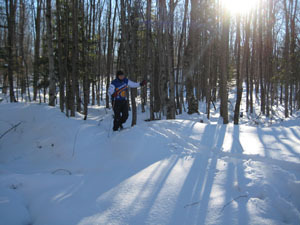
point(121, 113)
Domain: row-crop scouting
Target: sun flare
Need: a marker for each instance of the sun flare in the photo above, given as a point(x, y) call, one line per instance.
point(240, 6)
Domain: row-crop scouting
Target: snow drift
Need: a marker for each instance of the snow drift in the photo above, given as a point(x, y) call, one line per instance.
point(58, 170)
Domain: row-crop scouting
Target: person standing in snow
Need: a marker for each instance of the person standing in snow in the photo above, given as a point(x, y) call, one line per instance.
point(118, 92)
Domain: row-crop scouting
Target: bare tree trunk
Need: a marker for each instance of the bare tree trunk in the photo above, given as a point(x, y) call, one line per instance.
point(66, 44)
point(109, 52)
point(253, 69)
point(293, 55)
point(155, 84)
point(224, 66)
point(99, 58)
point(60, 60)
point(246, 60)
point(23, 74)
point(92, 21)
point(260, 61)
point(134, 26)
point(149, 62)
point(189, 62)
point(286, 60)
point(162, 45)
point(52, 86)
point(208, 81)
point(11, 17)
point(77, 77)
point(179, 58)
point(86, 84)
point(170, 57)
point(269, 55)
point(74, 58)
point(239, 78)
point(37, 49)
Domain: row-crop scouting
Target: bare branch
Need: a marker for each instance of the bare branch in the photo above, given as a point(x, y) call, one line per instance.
point(13, 127)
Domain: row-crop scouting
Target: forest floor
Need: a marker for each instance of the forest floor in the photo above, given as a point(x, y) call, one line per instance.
point(56, 170)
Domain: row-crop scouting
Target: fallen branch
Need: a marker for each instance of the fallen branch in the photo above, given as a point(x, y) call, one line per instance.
point(68, 171)
point(228, 203)
point(13, 127)
point(213, 104)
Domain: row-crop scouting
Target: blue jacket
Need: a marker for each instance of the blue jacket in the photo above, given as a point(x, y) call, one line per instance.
point(120, 87)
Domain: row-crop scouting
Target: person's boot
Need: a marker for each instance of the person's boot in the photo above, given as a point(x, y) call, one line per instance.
point(121, 127)
point(116, 125)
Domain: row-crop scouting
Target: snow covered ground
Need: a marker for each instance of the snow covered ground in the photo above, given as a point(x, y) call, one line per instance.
point(56, 170)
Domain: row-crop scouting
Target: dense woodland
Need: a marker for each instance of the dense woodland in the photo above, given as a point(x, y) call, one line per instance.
point(66, 53)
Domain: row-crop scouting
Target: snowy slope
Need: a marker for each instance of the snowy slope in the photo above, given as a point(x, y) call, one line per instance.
point(62, 171)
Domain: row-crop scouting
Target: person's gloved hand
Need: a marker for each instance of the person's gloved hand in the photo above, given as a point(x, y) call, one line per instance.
point(114, 95)
point(143, 83)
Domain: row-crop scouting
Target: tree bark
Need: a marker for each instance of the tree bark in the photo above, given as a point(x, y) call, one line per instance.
point(171, 110)
point(189, 62)
point(239, 78)
point(52, 86)
point(23, 62)
point(74, 58)
point(179, 58)
point(109, 53)
point(224, 66)
point(293, 55)
point(260, 61)
point(37, 49)
point(149, 62)
point(86, 84)
point(246, 60)
point(11, 19)
point(286, 60)
point(59, 57)
point(134, 26)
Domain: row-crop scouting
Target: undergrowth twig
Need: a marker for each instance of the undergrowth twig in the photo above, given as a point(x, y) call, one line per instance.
point(13, 127)
point(68, 171)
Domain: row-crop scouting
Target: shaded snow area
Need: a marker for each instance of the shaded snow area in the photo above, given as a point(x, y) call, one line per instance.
point(56, 170)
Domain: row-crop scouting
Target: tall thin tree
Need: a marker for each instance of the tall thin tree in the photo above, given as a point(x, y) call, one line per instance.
point(52, 86)
point(36, 63)
point(224, 66)
point(11, 20)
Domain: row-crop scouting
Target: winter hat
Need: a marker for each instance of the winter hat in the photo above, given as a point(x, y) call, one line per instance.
point(119, 72)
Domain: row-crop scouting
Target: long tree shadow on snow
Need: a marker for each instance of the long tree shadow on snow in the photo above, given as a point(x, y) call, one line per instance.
point(153, 192)
point(195, 195)
point(279, 137)
point(235, 186)
point(149, 192)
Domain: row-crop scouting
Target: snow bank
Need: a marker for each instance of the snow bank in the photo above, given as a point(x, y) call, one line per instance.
point(13, 209)
point(59, 170)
